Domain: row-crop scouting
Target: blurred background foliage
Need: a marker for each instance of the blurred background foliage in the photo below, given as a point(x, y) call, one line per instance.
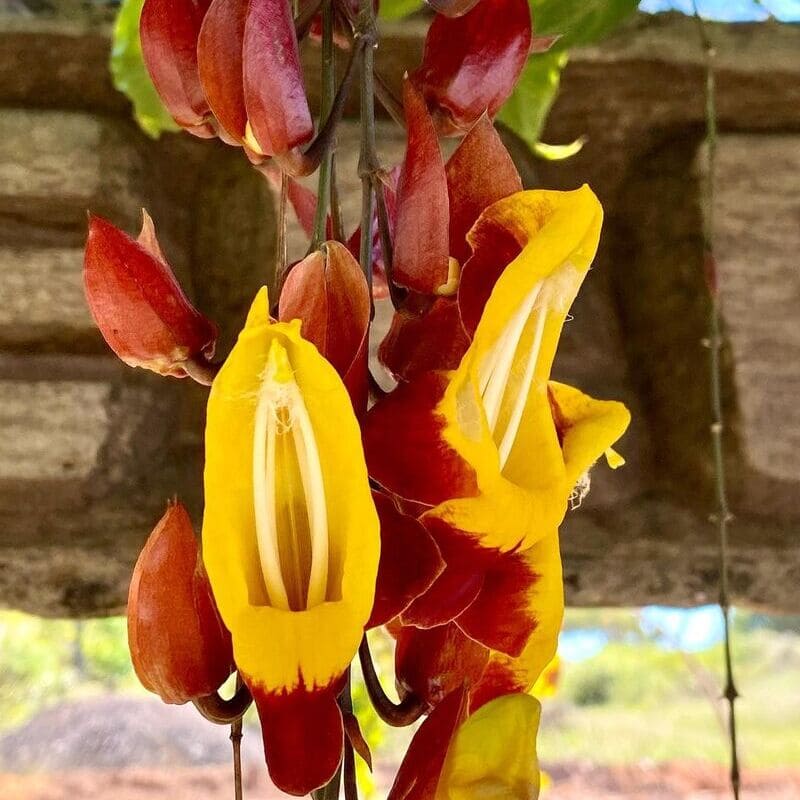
point(630, 685)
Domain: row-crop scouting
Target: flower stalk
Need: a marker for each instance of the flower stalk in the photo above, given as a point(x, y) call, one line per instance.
point(398, 715)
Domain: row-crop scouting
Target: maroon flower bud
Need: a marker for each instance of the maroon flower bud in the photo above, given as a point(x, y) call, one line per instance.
point(471, 63)
point(138, 304)
point(179, 647)
point(168, 30)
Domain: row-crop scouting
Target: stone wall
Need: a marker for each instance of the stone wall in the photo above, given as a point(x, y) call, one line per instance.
point(91, 450)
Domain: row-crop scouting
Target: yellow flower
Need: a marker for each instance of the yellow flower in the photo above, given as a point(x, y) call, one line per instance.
point(290, 537)
point(493, 754)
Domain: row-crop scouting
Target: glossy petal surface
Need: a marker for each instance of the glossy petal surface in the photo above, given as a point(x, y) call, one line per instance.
point(290, 654)
point(471, 63)
point(493, 753)
point(328, 293)
point(219, 58)
point(303, 737)
point(418, 776)
point(138, 304)
point(421, 258)
point(169, 30)
point(479, 173)
point(179, 647)
point(434, 339)
point(274, 91)
point(410, 562)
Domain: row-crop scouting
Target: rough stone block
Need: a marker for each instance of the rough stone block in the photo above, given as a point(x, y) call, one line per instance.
point(56, 165)
point(41, 296)
point(757, 236)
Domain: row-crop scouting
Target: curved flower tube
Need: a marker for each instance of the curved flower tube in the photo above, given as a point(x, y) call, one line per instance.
point(490, 754)
point(290, 539)
point(470, 434)
point(490, 453)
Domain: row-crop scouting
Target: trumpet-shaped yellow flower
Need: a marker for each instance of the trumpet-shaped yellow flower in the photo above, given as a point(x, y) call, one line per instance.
point(290, 535)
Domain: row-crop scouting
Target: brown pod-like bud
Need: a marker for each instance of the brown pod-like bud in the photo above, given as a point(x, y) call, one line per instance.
point(179, 646)
point(138, 304)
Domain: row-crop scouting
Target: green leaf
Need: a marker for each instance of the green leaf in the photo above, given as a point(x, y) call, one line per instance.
point(526, 110)
point(130, 74)
point(579, 21)
point(397, 9)
point(558, 152)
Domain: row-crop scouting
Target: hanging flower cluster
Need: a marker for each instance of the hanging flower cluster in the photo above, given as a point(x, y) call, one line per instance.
point(434, 510)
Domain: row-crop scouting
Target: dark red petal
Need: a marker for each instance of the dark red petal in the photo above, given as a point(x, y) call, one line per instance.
point(274, 91)
point(418, 776)
point(452, 8)
point(479, 173)
point(303, 736)
point(501, 616)
point(353, 731)
point(138, 304)
point(471, 64)
point(466, 564)
point(418, 343)
point(169, 31)
point(432, 663)
point(494, 248)
point(179, 647)
point(219, 59)
point(328, 292)
point(410, 562)
point(405, 451)
point(421, 258)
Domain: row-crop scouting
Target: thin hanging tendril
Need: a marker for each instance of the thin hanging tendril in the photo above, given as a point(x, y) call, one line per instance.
point(722, 516)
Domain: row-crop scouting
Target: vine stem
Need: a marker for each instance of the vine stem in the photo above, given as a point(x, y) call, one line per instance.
point(282, 254)
point(236, 745)
point(398, 715)
point(326, 104)
point(366, 29)
point(722, 516)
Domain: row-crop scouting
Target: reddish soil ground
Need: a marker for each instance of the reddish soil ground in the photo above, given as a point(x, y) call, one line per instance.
point(119, 748)
point(675, 781)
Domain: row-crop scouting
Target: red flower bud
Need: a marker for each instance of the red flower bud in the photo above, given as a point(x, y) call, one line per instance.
point(138, 304)
point(471, 63)
point(168, 30)
point(421, 260)
point(327, 291)
point(219, 59)
point(179, 647)
point(274, 92)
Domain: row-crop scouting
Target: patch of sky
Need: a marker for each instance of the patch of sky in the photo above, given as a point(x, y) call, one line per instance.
point(730, 10)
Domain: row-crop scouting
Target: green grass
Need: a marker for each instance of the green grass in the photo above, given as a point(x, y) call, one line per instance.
point(636, 701)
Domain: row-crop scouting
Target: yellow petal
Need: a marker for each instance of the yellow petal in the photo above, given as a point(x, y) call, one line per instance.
point(496, 405)
point(588, 428)
point(295, 607)
point(493, 754)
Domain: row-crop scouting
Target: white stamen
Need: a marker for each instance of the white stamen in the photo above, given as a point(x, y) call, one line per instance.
point(279, 392)
point(494, 377)
point(314, 486)
point(510, 435)
point(264, 435)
